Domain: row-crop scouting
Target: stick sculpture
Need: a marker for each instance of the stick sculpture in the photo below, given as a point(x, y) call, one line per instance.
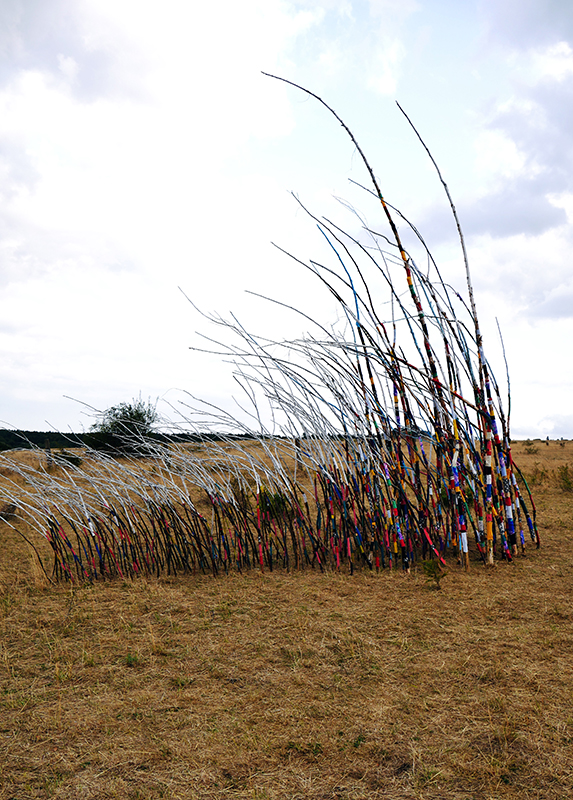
point(389, 444)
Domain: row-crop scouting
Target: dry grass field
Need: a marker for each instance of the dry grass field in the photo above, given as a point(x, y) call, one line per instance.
point(303, 685)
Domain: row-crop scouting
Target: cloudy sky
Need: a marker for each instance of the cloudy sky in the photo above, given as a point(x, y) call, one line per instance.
point(142, 150)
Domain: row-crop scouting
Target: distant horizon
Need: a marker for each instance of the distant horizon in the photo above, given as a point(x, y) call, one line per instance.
point(224, 434)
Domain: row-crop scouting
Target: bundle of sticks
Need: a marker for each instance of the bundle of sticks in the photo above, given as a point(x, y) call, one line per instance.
point(387, 444)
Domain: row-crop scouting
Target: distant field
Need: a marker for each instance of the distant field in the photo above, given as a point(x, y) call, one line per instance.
point(300, 685)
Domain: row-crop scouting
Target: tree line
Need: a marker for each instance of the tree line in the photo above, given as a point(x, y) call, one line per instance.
point(52, 440)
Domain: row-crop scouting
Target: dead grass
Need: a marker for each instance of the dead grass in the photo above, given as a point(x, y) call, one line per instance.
point(296, 686)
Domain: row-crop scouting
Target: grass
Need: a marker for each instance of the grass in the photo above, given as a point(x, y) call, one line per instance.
point(294, 685)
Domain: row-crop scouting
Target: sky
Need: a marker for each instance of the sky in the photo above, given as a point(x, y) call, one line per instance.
point(146, 161)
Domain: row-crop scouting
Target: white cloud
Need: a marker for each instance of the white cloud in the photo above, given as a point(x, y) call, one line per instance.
point(563, 200)
point(555, 61)
point(524, 24)
point(385, 67)
point(498, 156)
point(331, 60)
point(521, 271)
point(68, 67)
point(393, 11)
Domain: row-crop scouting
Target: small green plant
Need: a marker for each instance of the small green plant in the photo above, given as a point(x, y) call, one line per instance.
point(52, 783)
point(131, 660)
point(426, 776)
point(434, 573)
point(87, 659)
point(308, 749)
point(275, 504)
point(530, 448)
point(565, 478)
point(538, 475)
point(444, 495)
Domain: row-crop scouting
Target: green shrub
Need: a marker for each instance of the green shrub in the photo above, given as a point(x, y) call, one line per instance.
point(124, 429)
point(565, 478)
